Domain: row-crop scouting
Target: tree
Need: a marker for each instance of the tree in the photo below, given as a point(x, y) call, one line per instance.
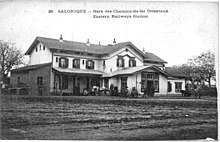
point(205, 64)
point(9, 56)
point(200, 68)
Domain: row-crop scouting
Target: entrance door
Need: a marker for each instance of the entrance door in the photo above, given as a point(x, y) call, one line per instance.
point(123, 83)
point(150, 87)
point(76, 86)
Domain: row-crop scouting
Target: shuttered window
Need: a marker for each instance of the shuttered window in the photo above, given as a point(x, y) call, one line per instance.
point(63, 62)
point(90, 64)
point(120, 62)
point(76, 63)
point(132, 62)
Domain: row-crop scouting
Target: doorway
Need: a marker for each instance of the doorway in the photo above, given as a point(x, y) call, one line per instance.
point(150, 87)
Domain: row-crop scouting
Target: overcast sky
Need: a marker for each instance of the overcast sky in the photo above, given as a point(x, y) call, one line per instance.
point(186, 30)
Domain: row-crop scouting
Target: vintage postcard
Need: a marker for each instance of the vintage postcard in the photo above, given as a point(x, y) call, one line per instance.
point(114, 70)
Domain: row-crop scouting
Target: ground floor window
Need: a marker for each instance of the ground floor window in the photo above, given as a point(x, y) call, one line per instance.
point(123, 82)
point(178, 86)
point(63, 82)
point(106, 82)
point(156, 86)
point(39, 80)
point(169, 87)
point(18, 80)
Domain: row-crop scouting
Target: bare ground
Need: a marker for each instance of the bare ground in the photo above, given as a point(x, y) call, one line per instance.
point(107, 118)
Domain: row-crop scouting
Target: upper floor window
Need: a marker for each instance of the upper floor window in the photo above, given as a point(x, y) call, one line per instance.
point(90, 64)
point(120, 62)
point(132, 62)
point(76, 63)
point(40, 47)
point(63, 62)
point(36, 49)
point(43, 47)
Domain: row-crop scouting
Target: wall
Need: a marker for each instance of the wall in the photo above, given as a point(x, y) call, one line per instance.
point(45, 73)
point(111, 61)
point(173, 85)
point(41, 56)
point(98, 62)
point(30, 78)
point(24, 78)
point(162, 85)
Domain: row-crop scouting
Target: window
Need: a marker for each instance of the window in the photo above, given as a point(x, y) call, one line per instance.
point(18, 80)
point(103, 62)
point(123, 83)
point(132, 62)
point(156, 86)
point(63, 62)
point(76, 63)
point(143, 82)
point(43, 47)
point(83, 62)
point(39, 80)
point(178, 87)
point(64, 82)
point(77, 53)
point(169, 89)
point(90, 64)
point(150, 76)
point(120, 62)
point(36, 49)
point(57, 59)
point(40, 47)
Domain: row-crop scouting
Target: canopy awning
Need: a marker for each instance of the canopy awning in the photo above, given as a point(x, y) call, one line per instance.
point(78, 71)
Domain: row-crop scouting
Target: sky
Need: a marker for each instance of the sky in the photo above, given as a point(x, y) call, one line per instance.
point(185, 31)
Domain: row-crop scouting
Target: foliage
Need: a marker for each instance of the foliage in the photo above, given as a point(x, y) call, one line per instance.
point(9, 56)
point(200, 68)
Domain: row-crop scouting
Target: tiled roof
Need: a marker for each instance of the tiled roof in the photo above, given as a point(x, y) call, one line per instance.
point(175, 73)
point(152, 57)
point(131, 70)
point(76, 46)
point(78, 71)
point(92, 48)
point(31, 67)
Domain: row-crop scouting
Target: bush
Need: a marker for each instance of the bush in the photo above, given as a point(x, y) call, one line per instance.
point(210, 91)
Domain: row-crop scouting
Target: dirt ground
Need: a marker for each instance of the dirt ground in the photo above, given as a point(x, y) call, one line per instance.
point(107, 118)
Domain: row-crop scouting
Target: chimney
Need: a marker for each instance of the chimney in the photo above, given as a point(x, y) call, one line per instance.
point(114, 42)
point(143, 50)
point(61, 38)
point(87, 43)
point(99, 43)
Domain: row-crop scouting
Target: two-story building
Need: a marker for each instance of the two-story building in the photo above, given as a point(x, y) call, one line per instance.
point(59, 66)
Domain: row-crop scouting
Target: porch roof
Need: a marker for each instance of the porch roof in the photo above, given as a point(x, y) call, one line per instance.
point(78, 71)
point(131, 70)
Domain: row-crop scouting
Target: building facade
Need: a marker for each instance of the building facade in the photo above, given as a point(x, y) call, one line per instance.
point(59, 67)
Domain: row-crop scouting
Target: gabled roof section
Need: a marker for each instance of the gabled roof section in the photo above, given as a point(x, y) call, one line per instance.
point(152, 57)
point(80, 47)
point(131, 70)
point(92, 48)
point(175, 73)
point(31, 67)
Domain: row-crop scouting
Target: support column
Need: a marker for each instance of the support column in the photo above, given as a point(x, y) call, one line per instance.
point(90, 83)
point(61, 84)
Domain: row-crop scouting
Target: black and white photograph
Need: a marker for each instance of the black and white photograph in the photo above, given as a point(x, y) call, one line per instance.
point(109, 70)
